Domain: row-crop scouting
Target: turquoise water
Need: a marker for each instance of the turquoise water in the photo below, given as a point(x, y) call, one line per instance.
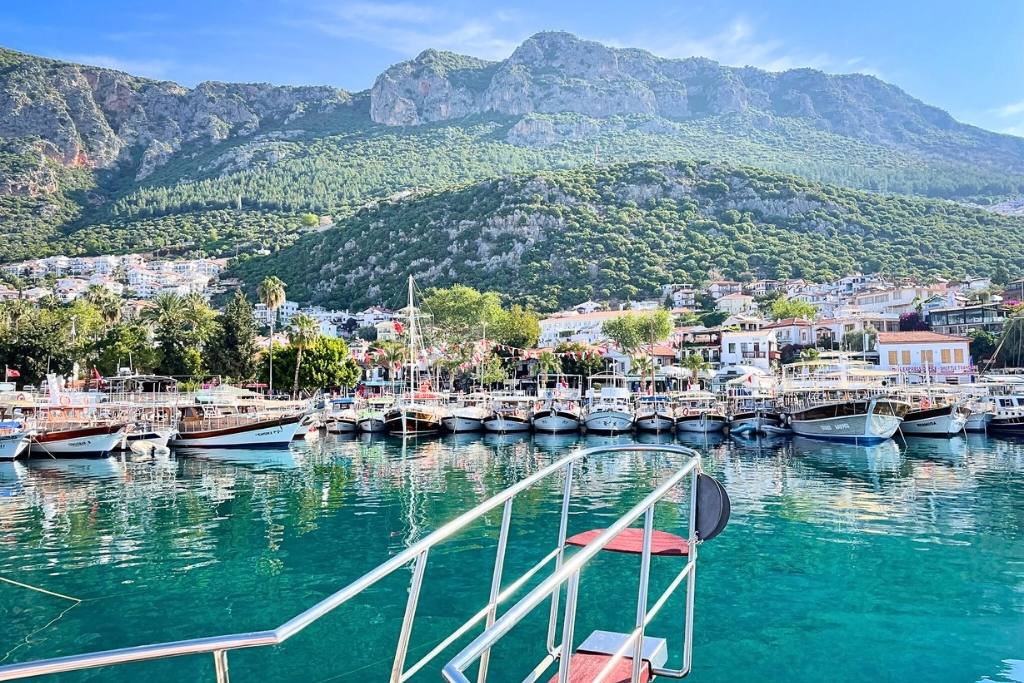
point(901, 562)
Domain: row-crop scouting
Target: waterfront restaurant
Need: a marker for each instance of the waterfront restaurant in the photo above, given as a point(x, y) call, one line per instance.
point(943, 357)
point(966, 319)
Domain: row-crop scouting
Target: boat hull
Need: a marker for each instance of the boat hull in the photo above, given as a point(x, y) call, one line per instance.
point(277, 432)
point(555, 422)
point(608, 422)
point(158, 437)
point(343, 425)
point(704, 423)
point(863, 422)
point(460, 424)
point(372, 425)
point(1012, 426)
point(978, 422)
point(412, 422)
point(759, 422)
point(506, 424)
point(13, 445)
point(87, 442)
point(941, 421)
point(655, 422)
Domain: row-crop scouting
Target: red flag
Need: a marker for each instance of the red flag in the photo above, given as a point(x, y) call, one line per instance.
point(11, 372)
point(399, 328)
point(96, 373)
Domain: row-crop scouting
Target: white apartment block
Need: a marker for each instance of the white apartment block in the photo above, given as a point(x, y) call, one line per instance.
point(755, 348)
point(941, 357)
point(570, 326)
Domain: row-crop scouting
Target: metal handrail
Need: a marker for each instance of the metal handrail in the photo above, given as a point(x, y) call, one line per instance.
point(219, 646)
point(569, 573)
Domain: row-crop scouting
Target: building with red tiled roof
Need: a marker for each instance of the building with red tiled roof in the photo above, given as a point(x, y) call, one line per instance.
point(921, 355)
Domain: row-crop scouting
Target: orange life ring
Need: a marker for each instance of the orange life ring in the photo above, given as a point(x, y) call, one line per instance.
point(65, 400)
point(925, 404)
point(21, 397)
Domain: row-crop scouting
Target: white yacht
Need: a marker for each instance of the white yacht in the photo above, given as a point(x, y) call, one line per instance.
point(467, 414)
point(14, 439)
point(654, 414)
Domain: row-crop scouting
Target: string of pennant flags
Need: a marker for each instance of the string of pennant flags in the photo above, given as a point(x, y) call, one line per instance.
point(480, 351)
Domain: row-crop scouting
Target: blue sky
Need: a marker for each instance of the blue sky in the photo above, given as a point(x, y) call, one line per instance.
point(966, 57)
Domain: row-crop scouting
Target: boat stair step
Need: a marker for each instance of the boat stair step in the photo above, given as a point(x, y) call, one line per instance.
point(632, 541)
point(597, 650)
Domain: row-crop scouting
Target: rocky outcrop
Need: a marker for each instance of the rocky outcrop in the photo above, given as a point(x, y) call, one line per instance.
point(100, 118)
point(558, 73)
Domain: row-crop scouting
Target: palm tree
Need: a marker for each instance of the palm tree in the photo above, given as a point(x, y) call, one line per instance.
point(389, 354)
point(271, 294)
point(696, 364)
point(168, 309)
point(108, 303)
point(548, 364)
point(304, 331)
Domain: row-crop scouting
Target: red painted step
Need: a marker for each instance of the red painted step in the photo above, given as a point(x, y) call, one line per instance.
point(632, 541)
point(585, 666)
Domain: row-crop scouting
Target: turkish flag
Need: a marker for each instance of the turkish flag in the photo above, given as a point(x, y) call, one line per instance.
point(13, 373)
point(399, 328)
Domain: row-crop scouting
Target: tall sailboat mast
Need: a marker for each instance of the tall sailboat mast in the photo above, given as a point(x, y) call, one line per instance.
point(412, 342)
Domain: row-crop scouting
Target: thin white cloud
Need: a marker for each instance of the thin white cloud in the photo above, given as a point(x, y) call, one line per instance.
point(151, 68)
point(1008, 110)
point(408, 28)
point(738, 43)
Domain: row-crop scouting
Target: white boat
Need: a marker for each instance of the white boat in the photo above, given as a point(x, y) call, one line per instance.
point(14, 439)
point(935, 417)
point(370, 416)
point(838, 399)
point(698, 412)
point(982, 412)
point(77, 441)
point(610, 411)
point(558, 408)
point(509, 414)
point(158, 436)
point(751, 402)
point(467, 415)
point(654, 414)
point(205, 427)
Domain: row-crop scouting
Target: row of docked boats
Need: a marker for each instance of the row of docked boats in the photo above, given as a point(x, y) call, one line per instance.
point(837, 400)
point(67, 424)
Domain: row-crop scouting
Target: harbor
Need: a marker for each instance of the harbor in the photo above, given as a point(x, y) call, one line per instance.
point(833, 550)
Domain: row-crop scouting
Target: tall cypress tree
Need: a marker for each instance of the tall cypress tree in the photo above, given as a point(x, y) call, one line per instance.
point(232, 351)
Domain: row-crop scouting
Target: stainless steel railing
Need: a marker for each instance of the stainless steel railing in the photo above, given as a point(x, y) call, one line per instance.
point(569, 574)
point(418, 553)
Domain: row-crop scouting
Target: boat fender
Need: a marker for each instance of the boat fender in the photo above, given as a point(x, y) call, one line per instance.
point(713, 507)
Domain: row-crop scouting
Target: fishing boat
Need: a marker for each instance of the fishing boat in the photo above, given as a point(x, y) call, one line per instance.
point(698, 412)
point(341, 416)
point(654, 414)
point(14, 439)
point(467, 414)
point(610, 410)
point(205, 426)
point(370, 415)
point(842, 400)
point(77, 440)
point(751, 401)
point(557, 410)
point(509, 414)
point(982, 412)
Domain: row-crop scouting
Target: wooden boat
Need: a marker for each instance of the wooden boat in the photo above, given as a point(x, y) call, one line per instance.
point(928, 419)
point(467, 415)
point(77, 441)
point(201, 428)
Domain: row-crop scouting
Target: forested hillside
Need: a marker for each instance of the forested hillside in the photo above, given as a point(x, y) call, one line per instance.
point(557, 238)
point(94, 160)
